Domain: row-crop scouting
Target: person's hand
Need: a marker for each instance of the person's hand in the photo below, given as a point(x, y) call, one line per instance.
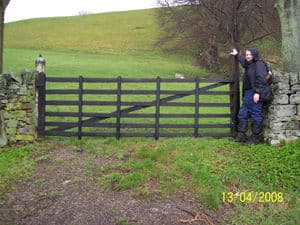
point(234, 52)
point(256, 98)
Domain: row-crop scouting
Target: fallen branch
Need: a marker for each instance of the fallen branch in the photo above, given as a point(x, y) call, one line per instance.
point(199, 216)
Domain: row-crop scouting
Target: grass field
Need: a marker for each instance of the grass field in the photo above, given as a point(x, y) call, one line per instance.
point(117, 32)
point(101, 45)
point(70, 64)
point(123, 44)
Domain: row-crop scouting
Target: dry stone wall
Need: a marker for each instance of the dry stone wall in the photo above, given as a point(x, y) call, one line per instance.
point(282, 116)
point(17, 108)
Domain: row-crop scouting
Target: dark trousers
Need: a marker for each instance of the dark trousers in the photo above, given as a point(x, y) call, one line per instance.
point(249, 109)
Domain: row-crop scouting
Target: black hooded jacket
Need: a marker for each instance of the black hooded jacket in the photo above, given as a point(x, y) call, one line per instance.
point(255, 72)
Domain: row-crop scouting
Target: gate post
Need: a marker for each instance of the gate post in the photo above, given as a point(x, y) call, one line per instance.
point(235, 96)
point(41, 91)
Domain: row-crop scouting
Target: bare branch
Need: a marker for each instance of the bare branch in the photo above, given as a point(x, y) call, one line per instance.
point(202, 24)
point(258, 38)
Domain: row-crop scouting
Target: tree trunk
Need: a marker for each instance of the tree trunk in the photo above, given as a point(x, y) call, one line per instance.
point(1, 38)
point(3, 5)
point(289, 13)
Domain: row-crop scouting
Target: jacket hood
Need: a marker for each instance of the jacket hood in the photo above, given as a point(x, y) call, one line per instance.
point(254, 53)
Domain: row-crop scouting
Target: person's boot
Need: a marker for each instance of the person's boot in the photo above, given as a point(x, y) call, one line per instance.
point(256, 129)
point(242, 129)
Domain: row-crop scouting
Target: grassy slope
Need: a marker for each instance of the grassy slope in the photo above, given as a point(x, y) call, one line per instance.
point(109, 32)
point(62, 63)
point(109, 44)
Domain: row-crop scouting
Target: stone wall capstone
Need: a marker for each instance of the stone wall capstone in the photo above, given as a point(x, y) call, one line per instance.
point(282, 115)
point(17, 107)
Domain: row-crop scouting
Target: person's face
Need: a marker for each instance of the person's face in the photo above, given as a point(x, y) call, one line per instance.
point(249, 56)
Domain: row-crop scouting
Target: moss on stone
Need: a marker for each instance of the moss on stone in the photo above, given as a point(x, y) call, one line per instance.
point(20, 137)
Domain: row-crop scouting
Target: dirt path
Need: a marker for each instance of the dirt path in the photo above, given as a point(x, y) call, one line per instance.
point(63, 192)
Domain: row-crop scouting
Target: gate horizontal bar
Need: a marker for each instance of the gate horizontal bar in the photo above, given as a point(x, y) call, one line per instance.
point(137, 115)
point(134, 115)
point(95, 92)
point(100, 80)
point(193, 126)
point(137, 134)
point(113, 103)
point(192, 134)
point(133, 92)
point(215, 92)
point(123, 125)
point(133, 80)
point(136, 125)
point(62, 91)
point(193, 116)
point(61, 133)
point(62, 79)
point(62, 114)
point(97, 134)
point(62, 103)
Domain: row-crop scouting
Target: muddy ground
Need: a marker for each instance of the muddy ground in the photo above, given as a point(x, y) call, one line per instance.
point(62, 190)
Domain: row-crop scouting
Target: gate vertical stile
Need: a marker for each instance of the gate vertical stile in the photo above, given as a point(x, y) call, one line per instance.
point(80, 105)
point(41, 88)
point(235, 97)
point(197, 92)
point(157, 109)
point(118, 117)
point(232, 102)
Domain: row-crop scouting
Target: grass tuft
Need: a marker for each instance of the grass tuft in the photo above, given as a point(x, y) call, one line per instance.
point(15, 163)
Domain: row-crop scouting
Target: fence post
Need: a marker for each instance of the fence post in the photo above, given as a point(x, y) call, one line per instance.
point(80, 104)
point(40, 64)
point(157, 109)
point(235, 96)
point(41, 91)
point(118, 119)
point(196, 131)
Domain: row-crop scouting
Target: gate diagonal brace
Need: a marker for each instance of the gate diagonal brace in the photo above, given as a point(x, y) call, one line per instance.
point(202, 90)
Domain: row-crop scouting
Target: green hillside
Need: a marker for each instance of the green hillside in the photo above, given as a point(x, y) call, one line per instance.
point(106, 32)
point(107, 44)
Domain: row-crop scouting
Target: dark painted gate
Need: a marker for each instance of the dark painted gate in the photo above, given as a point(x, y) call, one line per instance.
point(139, 110)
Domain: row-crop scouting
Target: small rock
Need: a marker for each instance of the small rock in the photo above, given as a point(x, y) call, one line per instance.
point(154, 210)
point(293, 78)
point(281, 99)
point(295, 99)
point(278, 77)
point(11, 123)
point(66, 182)
point(296, 87)
point(179, 76)
point(275, 143)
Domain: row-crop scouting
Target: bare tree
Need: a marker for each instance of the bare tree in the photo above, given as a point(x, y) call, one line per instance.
point(205, 24)
point(3, 5)
point(289, 12)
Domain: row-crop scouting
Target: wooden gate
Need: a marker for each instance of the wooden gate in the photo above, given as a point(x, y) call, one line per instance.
point(125, 107)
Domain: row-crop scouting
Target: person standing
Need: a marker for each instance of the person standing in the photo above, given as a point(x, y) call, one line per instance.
point(254, 80)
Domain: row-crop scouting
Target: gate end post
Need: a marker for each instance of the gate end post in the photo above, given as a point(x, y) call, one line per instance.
point(41, 104)
point(235, 96)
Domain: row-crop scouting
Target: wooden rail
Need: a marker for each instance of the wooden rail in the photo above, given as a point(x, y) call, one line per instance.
point(92, 119)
